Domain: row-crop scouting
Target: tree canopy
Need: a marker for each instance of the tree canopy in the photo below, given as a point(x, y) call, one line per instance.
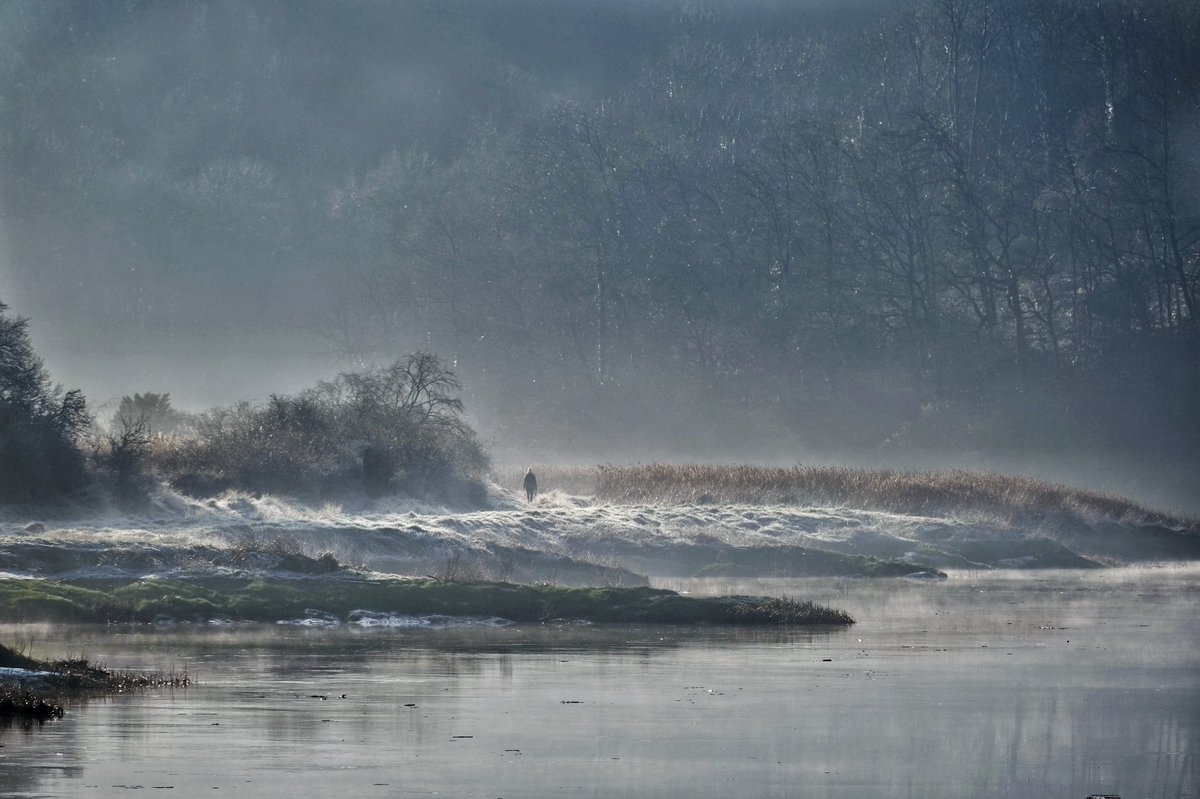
point(40, 424)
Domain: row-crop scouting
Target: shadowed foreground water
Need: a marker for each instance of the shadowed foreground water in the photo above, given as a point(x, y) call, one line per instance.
point(1055, 685)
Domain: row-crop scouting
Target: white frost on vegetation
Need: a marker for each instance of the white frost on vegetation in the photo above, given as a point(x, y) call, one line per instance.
point(555, 523)
point(398, 536)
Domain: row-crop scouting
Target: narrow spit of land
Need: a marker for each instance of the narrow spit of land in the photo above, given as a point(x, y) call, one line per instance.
point(34, 690)
point(270, 599)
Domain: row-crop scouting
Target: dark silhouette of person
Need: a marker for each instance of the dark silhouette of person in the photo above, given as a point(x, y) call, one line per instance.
point(530, 485)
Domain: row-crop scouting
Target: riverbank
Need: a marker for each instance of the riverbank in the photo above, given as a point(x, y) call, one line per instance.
point(346, 598)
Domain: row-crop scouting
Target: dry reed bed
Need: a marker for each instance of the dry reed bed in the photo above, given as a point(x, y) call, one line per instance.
point(995, 496)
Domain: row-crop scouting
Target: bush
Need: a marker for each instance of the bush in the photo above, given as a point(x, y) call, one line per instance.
point(394, 430)
point(123, 458)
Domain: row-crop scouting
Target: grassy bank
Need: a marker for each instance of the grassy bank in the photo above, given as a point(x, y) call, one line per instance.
point(266, 600)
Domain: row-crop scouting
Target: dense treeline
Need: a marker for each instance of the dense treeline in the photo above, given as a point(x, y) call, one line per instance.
point(934, 224)
point(986, 211)
point(983, 199)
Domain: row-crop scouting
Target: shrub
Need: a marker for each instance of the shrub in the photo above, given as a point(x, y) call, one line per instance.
point(122, 456)
point(393, 430)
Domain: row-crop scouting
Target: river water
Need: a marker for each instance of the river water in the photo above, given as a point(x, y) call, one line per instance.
point(984, 685)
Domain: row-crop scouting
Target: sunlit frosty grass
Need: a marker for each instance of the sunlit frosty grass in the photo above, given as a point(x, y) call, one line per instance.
point(640, 523)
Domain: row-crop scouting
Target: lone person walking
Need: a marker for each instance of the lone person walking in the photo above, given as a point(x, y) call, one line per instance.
point(530, 485)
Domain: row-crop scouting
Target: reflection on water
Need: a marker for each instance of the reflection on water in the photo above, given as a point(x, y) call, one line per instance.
point(1055, 685)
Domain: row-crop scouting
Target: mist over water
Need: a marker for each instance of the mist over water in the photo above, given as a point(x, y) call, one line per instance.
point(982, 685)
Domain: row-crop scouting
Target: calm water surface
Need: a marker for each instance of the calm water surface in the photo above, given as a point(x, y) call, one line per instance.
point(1055, 685)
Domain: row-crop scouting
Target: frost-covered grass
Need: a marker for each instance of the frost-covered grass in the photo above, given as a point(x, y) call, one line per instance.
point(634, 524)
point(1003, 497)
point(271, 600)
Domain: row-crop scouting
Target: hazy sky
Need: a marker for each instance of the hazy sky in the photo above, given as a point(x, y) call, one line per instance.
point(136, 97)
point(120, 301)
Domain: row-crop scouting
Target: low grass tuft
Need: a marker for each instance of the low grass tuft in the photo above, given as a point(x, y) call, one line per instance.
point(785, 610)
